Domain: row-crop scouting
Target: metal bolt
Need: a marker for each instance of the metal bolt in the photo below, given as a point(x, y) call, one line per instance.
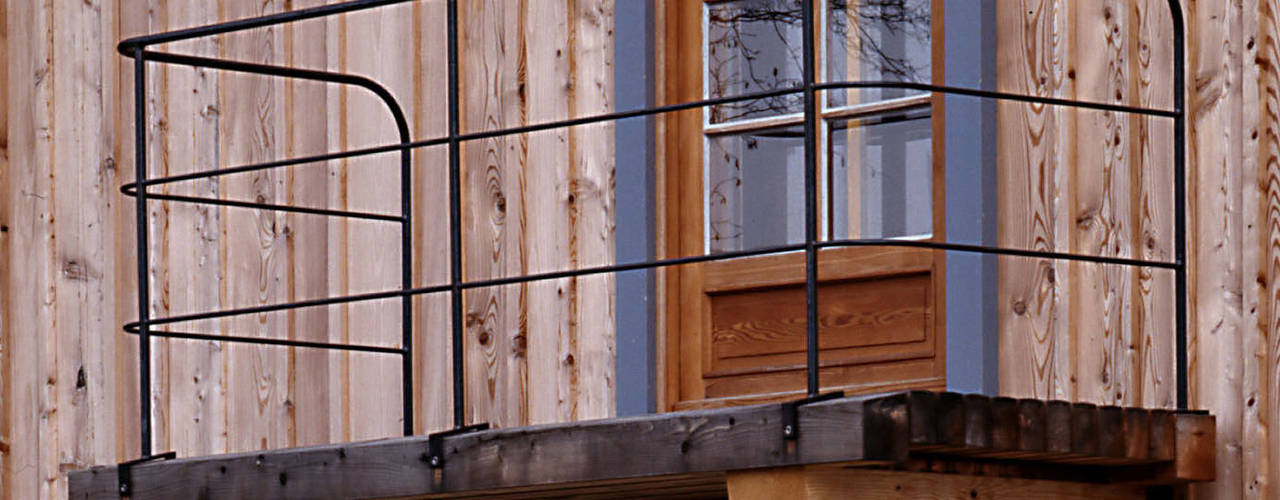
point(788, 430)
point(435, 461)
point(124, 489)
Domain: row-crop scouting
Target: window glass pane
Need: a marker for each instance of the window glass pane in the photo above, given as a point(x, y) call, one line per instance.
point(882, 175)
point(755, 189)
point(754, 46)
point(877, 40)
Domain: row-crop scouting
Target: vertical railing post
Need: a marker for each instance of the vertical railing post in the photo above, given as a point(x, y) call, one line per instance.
point(455, 220)
point(406, 280)
point(1180, 198)
point(142, 228)
point(810, 201)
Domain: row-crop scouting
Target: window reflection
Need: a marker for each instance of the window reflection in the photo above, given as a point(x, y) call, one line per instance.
point(754, 46)
point(882, 176)
point(877, 40)
point(755, 195)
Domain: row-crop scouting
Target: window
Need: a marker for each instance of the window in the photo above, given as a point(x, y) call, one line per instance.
point(733, 179)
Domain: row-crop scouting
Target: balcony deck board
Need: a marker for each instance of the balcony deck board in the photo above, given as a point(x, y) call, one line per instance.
point(688, 453)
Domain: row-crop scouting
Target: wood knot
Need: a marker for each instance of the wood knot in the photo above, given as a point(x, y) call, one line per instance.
point(483, 338)
point(1019, 307)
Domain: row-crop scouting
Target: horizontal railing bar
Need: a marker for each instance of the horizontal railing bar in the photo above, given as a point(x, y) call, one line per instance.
point(441, 141)
point(301, 304)
point(1003, 96)
point(268, 206)
point(637, 266)
point(267, 341)
point(991, 250)
point(127, 46)
point(622, 115)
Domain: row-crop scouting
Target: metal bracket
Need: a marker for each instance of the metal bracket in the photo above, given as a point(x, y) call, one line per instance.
point(124, 470)
point(790, 417)
point(435, 442)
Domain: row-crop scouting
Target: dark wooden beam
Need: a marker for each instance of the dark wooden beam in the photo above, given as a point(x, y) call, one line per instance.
point(655, 446)
point(688, 453)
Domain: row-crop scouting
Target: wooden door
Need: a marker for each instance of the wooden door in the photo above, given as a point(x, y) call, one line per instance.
point(731, 178)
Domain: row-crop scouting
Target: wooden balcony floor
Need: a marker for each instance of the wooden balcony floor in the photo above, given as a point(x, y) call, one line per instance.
point(697, 454)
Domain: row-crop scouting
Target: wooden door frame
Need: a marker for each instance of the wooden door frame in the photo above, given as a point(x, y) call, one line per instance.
point(678, 194)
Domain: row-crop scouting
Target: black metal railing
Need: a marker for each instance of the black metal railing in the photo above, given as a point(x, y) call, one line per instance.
point(145, 327)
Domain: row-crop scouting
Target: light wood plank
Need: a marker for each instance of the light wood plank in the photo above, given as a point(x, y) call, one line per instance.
point(254, 252)
point(1035, 346)
point(306, 236)
point(432, 342)
point(30, 467)
point(1101, 307)
point(1152, 153)
point(190, 256)
point(1263, 471)
point(493, 227)
point(591, 206)
point(550, 331)
point(1214, 148)
point(373, 185)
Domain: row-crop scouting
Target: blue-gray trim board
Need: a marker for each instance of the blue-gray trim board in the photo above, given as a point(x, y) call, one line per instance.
point(971, 182)
point(633, 197)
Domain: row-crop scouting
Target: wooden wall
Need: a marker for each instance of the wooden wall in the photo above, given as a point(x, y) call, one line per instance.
point(1096, 182)
point(68, 381)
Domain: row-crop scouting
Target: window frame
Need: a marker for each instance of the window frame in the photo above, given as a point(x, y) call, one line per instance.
point(683, 304)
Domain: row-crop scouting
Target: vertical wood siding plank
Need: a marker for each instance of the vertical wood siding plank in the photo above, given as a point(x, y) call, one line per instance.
point(591, 205)
point(546, 202)
point(376, 46)
point(493, 181)
point(1034, 348)
point(133, 19)
point(254, 252)
point(191, 258)
point(307, 235)
point(1253, 251)
point(338, 248)
point(1267, 349)
point(1100, 207)
point(432, 342)
point(74, 236)
point(29, 408)
point(1151, 146)
point(1214, 100)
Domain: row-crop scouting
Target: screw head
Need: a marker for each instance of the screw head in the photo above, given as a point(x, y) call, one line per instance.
point(788, 430)
point(435, 461)
point(124, 488)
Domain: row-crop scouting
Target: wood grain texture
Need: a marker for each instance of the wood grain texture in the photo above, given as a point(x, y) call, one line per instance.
point(1262, 466)
point(254, 252)
point(858, 432)
point(535, 203)
point(68, 376)
point(831, 483)
point(1035, 348)
point(1232, 157)
point(675, 444)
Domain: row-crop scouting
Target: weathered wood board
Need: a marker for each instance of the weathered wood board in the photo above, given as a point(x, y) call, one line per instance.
point(895, 431)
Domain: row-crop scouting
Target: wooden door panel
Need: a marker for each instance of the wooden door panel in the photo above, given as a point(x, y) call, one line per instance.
point(789, 384)
point(766, 327)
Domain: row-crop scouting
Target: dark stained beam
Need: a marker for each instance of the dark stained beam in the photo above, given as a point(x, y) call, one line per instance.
point(689, 452)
